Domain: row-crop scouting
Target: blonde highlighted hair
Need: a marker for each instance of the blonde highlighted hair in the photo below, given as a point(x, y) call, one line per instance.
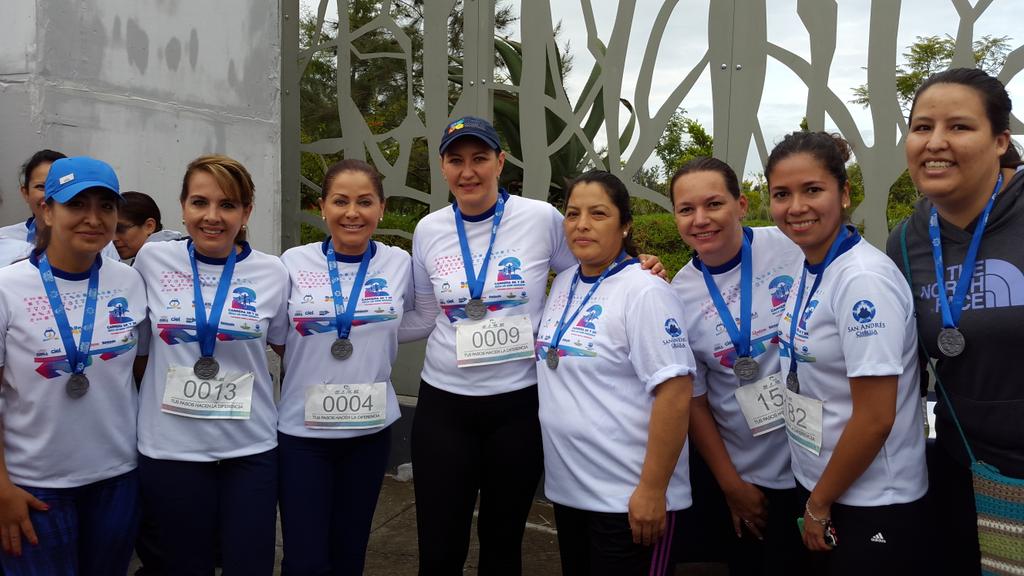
point(232, 178)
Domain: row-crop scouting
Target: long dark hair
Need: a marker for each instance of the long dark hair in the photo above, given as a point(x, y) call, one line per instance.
point(994, 98)
point(617, 193)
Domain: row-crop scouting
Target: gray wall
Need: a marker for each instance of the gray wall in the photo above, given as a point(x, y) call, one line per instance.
point(146, 86)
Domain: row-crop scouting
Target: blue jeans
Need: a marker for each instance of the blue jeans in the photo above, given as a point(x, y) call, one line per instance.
point(197, 503)
point(88, 530)
point(329, 490)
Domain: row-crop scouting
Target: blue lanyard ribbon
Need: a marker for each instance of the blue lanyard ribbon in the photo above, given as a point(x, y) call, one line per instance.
point(799, 306)
point(474, 281)
point(30, 234)
point(344, 316)
point(206, 330)
point(78, 356)
point(563, 326)
point(740, 336)
point(951, 312)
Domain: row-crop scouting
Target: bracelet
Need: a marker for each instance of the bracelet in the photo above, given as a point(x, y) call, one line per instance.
point(823, 521)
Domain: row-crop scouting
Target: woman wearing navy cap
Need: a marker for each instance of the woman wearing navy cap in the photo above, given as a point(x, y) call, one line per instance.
point(480, 271)
point(68, 338)
point(849, 356)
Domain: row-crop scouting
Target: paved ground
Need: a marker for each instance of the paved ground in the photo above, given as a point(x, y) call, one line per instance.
point(392, 550)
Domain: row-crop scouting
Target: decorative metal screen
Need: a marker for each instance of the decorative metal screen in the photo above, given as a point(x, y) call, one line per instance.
point(448, 79)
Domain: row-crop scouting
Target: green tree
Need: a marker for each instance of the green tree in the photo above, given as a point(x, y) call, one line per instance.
point(931, 54)
point(683, 140)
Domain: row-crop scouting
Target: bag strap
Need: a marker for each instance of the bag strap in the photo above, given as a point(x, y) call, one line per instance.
point(924, 351)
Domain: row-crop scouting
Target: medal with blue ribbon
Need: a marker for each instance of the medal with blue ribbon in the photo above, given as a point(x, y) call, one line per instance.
point(951, 340)
point(475, 308)
point(78, 356)
point(744, 367)
point(563, 326)
point(343, 316)
point(799, 308)
point(206, 330)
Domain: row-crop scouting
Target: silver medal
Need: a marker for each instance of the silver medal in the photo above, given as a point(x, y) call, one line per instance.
point(475, 309)
point(793, 383)
point(206, 368)
point(341, 349)
point(951, 342)
point(77, 385)
point(552, 358)
point(745, 368)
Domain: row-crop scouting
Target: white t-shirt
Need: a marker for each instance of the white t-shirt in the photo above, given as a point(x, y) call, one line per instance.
point(529, 243)
point(255, 313)
point(860, 322)
point(386, 293)
point(52, 440)
point(19, 231)
point(596, 407)
point(761, 460)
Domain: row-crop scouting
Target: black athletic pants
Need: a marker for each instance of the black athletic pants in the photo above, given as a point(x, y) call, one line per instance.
point(601, 544)
point(465, 445)
point(874, 540)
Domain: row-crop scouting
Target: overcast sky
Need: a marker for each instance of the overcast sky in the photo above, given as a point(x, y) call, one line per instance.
point(782, 102)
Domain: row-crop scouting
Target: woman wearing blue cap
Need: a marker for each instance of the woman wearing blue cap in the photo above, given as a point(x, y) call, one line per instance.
point(207, 419)
point(480, 271)
point(68, 338)
point(17, 240)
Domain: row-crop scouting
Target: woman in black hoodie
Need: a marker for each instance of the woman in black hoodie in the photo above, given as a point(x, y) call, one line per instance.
point(964, 164)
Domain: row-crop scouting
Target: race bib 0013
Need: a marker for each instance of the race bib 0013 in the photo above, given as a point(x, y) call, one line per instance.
point(225, 397)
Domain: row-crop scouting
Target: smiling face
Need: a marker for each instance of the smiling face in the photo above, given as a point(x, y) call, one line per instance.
point(708, 217)
point(952, 154)
point(472, 168)
point(81, 227)
point(351, 207)
point(593, 227)
point(807, 204)
point(211, 218)
point(35, 189)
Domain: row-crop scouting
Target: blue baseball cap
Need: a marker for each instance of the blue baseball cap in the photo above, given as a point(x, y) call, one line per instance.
point(470, 126)
point(69, 176)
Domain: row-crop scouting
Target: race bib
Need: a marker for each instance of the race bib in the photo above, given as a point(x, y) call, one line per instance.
point(803, 421)
point(493, 341)
point(762, 403)
point(226, 397)
point(347, 406)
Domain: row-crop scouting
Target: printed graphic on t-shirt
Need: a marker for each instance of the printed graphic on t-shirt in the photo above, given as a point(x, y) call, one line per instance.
point(995, 284)
point(315, 315)
point(118, 338)
point(506, 290)
point(177, 325)
point(864, 312)
point(779, 288)
point(580, 337)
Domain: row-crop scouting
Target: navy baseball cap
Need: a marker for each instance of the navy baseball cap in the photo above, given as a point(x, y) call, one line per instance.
point(470, 126)
point(69, 176)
